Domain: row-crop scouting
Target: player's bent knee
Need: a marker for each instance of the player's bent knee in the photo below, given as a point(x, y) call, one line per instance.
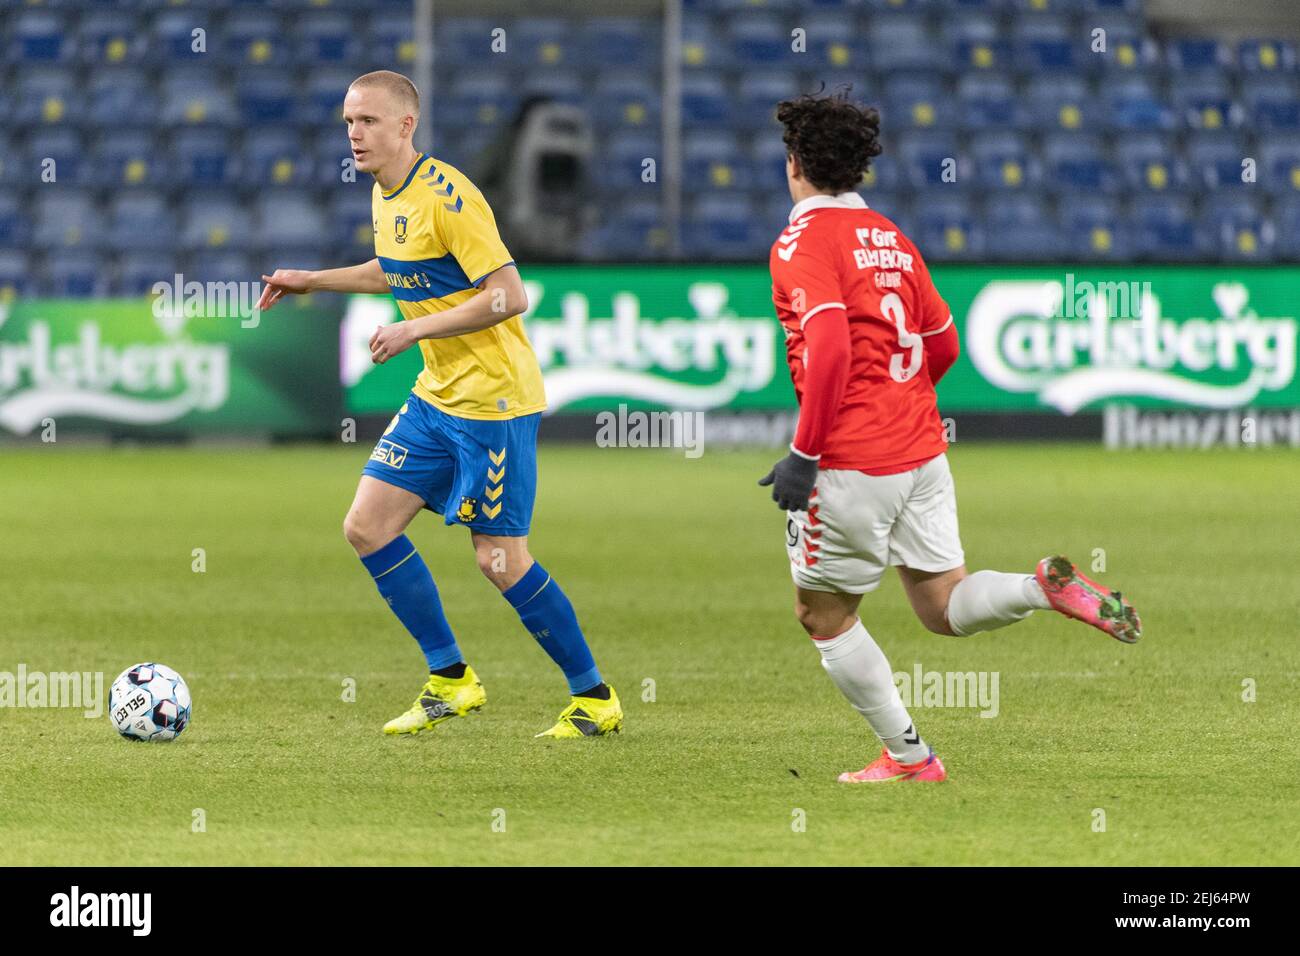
point(364, 537)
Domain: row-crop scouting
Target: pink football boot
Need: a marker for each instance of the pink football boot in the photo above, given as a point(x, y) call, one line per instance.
point(885, 769)
point(1085, 600)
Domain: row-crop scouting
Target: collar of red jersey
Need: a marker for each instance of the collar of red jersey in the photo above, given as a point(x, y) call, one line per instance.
point(848, 200)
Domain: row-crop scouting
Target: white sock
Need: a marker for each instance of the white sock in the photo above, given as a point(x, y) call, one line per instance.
point(859, 669)
point(988, 599)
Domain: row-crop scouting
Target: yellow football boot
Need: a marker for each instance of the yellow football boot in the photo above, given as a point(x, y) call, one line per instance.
point(589, 717)
point(441, 698)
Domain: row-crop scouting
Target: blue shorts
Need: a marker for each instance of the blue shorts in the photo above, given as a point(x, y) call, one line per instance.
point(478, 473)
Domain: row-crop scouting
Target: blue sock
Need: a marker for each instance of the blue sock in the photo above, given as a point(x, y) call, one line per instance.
point(549, 617)
point(406, 584)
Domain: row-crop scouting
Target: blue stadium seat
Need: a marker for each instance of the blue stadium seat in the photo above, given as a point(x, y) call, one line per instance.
point(15, 274)
point(923, 157)
point(541, 43)
point(275, 157)
point(632, 230)
point(213, 220)
point(1128, 49)
point(1025, 230)
point(560, 86)
point(758, 41)
point(700, 48)
point(66, 219)
point(74, 274)
point(15, 223)
point(768, 164)
point(722, 227)
point(112, 38)
point(135, 273)
point(40, 37)
point(66, 148)
point(196, 98)
point(882, 178)
point(1242, 230)
point(288, 219)
point(1216, 160)
point(1165, 228)
point(1093, 227)
point(1077, 163)
point(1046, 43)
point(623, 156)
point(1279, 164)
point(1286, 216)
point(329, 148)
point(1205, 101)
point(266, 100)
point(833, 42)
point(883, 6)
point(352, 228)
point(233, 267)
point(203, 157)
point(1271, 102)
point(1196, 54)
point(626, 43)
point(627, 100)
point(322, 103)
point(324, 38)
point(1004, 162)
point(756, 97)
point(390, 46)
point(141, 221)
point(46, 96)
point(254, 40)
point(1066, 103)
point(1266, 56)
point(120, 96)
point(988, 101)
point(1129, 7)
point(1149, 162)
point(705, 100)
point(948, 227)
point(173, 39)
point(465, 42)
point(1132, 104)
point(902, 42)
point(974, 41)
point(479, 98)
point(712, 160)
point(916, 101)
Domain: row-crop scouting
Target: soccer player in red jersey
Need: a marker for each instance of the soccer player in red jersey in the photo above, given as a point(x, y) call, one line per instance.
point(866, 483)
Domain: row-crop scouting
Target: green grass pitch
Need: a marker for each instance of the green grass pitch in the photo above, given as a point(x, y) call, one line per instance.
point(678, 572)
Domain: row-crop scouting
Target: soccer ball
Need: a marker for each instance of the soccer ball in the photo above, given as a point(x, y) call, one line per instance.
point(149, 702)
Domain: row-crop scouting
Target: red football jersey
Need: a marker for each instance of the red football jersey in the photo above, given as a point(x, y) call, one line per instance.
point(837, 253)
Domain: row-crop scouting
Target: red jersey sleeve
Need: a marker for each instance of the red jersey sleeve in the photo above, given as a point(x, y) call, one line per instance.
point(805, 274)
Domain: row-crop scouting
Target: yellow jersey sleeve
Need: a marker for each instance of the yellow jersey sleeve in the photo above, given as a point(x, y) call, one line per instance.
point(466, 227)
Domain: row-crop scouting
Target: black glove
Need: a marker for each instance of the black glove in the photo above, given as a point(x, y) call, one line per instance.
point(792, 480)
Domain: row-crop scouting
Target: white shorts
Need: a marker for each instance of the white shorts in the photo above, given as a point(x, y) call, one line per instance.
point(857, 525)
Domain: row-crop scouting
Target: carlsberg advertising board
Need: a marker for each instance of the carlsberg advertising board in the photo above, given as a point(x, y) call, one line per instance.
point(1034, 340)
point(125, 365)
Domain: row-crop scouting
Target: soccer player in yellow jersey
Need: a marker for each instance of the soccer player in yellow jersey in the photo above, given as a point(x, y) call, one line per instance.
point(464, 444)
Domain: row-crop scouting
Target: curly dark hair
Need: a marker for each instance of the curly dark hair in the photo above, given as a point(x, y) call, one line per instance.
point(833, 138)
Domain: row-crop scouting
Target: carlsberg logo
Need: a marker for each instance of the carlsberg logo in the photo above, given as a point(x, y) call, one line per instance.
point(1073, 343)
point(583, 356)
point(136, 383)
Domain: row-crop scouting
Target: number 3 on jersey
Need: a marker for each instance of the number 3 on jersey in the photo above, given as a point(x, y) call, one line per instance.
point(892, 306)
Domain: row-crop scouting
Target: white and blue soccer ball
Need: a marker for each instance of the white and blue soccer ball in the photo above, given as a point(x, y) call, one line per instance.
point(149, 702)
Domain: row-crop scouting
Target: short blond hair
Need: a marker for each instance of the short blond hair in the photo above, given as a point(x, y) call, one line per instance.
point(399, 87)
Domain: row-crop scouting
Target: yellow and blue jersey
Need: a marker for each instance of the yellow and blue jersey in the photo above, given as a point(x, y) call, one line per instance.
point(436, 239)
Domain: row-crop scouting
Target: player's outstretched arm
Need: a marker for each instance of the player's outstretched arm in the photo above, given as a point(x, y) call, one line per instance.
point(367, 277)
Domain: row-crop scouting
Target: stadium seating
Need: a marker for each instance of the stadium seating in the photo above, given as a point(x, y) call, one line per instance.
point(1008, 131)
